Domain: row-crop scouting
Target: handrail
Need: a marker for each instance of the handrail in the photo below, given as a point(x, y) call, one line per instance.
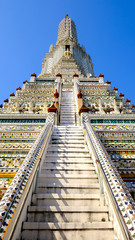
point(121, 198)
point(59, 100)
point(16, 193)
point(75, 97)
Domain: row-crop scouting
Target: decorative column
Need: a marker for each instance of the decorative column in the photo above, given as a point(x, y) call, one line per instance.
point(33, 77)
point(80, 101)
point(24, 83)
point(116, 110)
point(56, 96)
point(101, 78)
point(53, 110)
point(83, 109)
point(101, 110)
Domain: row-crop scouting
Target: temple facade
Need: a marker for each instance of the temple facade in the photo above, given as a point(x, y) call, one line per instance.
point(67, 151)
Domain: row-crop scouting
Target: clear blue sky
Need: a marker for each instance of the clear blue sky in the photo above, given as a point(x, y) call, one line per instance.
point(105, 27)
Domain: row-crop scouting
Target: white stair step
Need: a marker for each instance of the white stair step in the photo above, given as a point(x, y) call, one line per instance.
point(66, 130)
point(67, 188)
point(69, 145)
point(68, 160)
point(67, 171)
point(68, 166)
point(60, 154)
point(67, 149)
point(71, 179)
point(63, 231)
point(67, 214)
point(65, 155)
point(68, 134)
point(69, 128)
point(79, 142)
point(67, 163)
point(68, 137)
point(67, 199)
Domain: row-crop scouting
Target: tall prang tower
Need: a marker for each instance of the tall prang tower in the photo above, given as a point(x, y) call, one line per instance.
point(67, 158)
point(67, 57)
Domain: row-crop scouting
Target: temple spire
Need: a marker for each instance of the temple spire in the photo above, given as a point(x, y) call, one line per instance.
point(67, 28)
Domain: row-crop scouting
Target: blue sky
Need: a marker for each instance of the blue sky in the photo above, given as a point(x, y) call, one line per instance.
point(105, 27)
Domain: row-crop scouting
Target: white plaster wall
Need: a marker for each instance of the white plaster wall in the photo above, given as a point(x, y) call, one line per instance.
point(52, 60)
point(82, 59)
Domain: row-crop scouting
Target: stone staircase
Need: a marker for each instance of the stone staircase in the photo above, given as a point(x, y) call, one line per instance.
point(67, 113)
point(67, 203)
point(68, 67)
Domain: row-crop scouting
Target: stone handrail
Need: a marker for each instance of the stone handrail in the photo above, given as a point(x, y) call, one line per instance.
point(121, 198)
point(59, 99)
point(59, 91)
point(14, 193)
point(76, 89)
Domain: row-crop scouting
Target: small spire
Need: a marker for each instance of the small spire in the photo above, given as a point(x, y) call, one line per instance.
point(66, 16)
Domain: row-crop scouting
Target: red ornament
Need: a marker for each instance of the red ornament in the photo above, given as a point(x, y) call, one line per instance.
point(79, 95)
point(115, 89)
point(108, 82)
point(75, 75)
point(100, 75)
point(25, 81)
point(127, 100)
point(56, 94)
point(52, 109)
point(19, 88)
point(121, 95)
point(33, 75)
point(58, 75)
point(12, 95)
point(83, 109)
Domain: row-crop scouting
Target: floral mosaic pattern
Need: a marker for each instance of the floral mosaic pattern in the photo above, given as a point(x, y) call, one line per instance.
point(103, 99)
point(116, 135)
point(15, 142)
point(115, 144)
point(124, 143)
point(123, 198)
point(15, 190)
point(21, 127)
point(119, 127)
point(33, 98)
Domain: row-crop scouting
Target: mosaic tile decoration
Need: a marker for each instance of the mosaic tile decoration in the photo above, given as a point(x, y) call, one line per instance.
point(120, 144)
point(32, 98)
point(119, 127)
point(13, 194)
point(103, 99)
point(15, 142)
point(120, 192)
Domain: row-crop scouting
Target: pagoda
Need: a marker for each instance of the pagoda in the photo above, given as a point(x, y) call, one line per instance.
point(67, 151)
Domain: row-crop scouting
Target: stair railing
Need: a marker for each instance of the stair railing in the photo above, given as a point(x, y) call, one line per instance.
point(120, 203)
point(76, 89)
point(59, 88)
point(13, 206)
